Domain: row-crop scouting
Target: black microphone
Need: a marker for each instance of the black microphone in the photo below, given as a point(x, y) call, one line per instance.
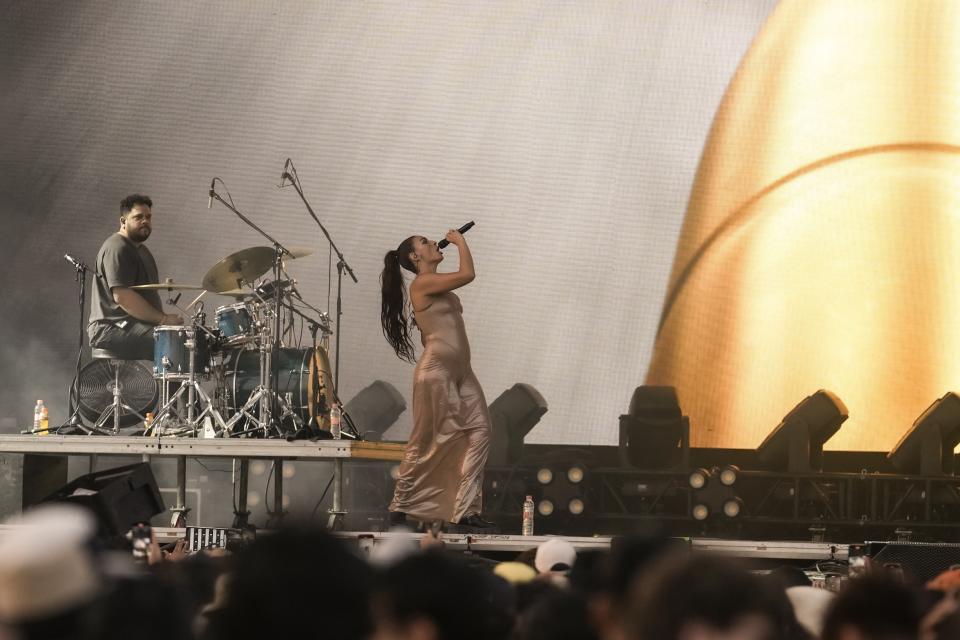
point(75, 262)
point(462, 229)
point(210, 202)
point(285, 175)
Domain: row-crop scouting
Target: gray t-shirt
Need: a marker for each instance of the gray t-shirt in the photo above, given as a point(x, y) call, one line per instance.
point(120, 263)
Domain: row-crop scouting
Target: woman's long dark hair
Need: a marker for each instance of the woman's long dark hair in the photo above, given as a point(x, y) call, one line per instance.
point(393, 315)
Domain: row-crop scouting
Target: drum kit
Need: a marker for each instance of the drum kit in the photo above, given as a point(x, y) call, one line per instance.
point(238, 377)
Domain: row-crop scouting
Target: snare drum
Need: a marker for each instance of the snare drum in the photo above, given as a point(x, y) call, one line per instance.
point(171, 357)
point(235, 323)
point(304, 381)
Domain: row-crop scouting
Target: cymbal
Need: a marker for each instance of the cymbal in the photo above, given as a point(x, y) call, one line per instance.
point(299, 252)
point(244, 266)
point(236, 293)
point(168, 285)
point(237, 268)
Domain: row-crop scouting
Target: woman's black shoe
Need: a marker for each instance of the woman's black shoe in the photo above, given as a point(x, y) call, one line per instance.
point(474, 523)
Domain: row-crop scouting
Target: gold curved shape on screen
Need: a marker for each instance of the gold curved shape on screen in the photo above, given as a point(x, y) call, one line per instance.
point(819, 248)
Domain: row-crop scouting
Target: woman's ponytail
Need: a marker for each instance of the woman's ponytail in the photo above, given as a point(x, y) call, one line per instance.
point(393, 315)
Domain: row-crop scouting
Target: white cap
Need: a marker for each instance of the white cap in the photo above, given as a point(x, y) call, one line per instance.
point(45, 566)
point(553, 552)
point(810, 606)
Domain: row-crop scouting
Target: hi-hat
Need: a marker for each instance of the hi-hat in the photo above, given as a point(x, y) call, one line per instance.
point(237, 293)
point(169, 285)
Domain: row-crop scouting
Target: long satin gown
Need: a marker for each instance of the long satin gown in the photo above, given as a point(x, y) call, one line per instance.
point(441, 474)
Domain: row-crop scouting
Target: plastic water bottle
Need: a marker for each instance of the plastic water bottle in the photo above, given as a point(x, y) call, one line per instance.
point(37, 415)
point(527, 526)
point(335, 413)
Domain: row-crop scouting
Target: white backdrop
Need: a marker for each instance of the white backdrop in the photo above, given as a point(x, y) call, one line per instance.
point(569, 131)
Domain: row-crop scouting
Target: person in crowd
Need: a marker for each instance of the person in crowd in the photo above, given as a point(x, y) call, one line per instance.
point(436, 595)
point(122, 319)
point(441, 474)
point(555, 555)
point(700, 597)
point(295, 583)
point(874, 606)
point(48, 574)
point(557, 614)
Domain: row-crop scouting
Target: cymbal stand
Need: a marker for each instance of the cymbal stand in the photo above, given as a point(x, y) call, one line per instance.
point(270, 402)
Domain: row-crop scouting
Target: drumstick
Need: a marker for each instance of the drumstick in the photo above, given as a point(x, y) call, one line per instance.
point(197, 299)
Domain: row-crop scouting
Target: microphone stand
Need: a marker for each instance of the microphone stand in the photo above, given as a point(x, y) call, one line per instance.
point(74, 421)
point(341, 266)
point(272, 417)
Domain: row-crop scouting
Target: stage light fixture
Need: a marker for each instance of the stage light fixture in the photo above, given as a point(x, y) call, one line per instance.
point(544, 475)
point(576, 473)
point(545, 507)
point(514, 413)
point(698, 478)
point(375, 408)
point(575, 506)
point(729, 474)
point(654, 434)
point(713, 492)
point(796, 444)
point(927, 448)
point(732, 507)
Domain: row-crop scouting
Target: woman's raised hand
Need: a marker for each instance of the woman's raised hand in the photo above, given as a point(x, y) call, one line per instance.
point(454, 237)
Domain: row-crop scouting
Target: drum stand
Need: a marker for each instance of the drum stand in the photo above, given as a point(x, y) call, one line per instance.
point(192, 388)
point(265, 398)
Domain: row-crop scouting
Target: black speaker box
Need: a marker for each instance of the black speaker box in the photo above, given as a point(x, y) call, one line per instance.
point(119, 497)
point(920, 561)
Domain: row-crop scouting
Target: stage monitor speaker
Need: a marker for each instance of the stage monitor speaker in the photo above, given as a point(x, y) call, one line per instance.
point(927, 448)
point(513, 414)
point(119, 497)
point(920, 561)
point(375, 408)
point(796, 444)
point(654, 434)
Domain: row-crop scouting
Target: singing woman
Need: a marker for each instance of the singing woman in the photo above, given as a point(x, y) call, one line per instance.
point(441, 474)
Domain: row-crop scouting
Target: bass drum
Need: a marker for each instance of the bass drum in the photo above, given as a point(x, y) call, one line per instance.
point(304, 381)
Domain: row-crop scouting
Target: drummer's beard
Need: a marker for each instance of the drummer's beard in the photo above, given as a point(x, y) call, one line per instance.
point(140, 234)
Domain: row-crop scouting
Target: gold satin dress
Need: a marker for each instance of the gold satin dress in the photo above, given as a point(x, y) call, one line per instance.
point(441, 474)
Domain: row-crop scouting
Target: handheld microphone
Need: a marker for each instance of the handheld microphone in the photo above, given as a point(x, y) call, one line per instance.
point(212, 192)
point(78, 264)
point(462, 229)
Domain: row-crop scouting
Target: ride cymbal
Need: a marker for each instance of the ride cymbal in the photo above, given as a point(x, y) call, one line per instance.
point(238, 268)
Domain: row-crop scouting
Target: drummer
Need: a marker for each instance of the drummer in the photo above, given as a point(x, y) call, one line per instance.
point(122, 319)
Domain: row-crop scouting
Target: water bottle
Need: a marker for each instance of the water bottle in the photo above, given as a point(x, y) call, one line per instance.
point(335, 413)
point(527, 527)
point(37, 415)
